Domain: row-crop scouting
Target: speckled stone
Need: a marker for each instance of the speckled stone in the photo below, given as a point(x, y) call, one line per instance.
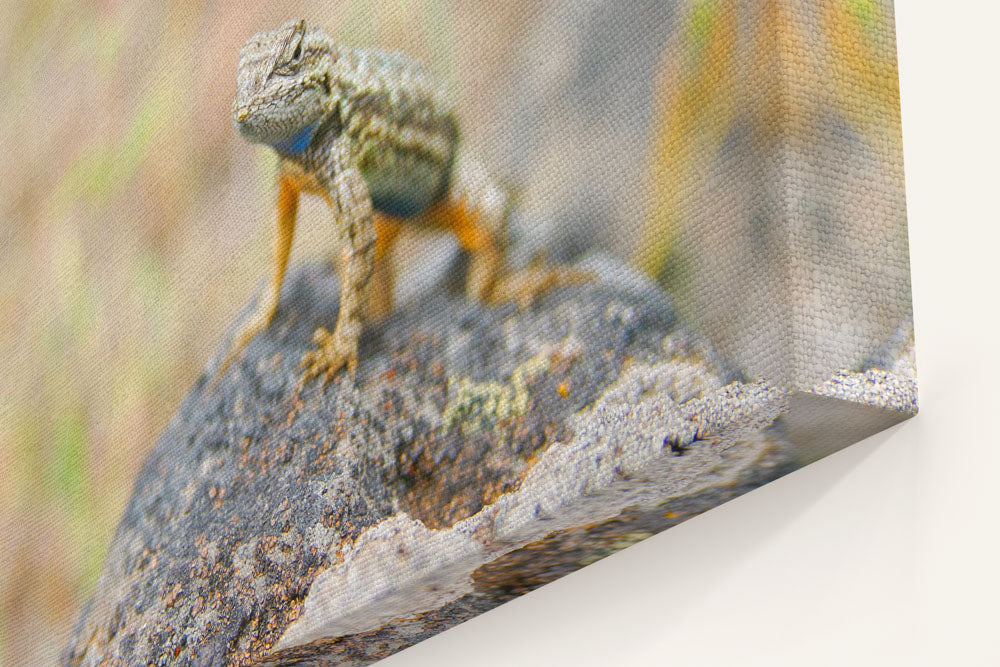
point(480, 453)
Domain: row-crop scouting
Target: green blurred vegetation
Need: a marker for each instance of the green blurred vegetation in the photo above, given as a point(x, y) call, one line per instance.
point(135, 224)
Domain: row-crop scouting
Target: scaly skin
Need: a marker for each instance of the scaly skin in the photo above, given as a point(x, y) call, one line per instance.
point(375, 136)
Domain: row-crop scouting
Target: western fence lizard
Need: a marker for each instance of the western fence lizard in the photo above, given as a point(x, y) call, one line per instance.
point(377, 137)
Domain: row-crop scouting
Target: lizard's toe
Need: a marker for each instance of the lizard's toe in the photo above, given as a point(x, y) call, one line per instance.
point(527, 285)
point(332, 353)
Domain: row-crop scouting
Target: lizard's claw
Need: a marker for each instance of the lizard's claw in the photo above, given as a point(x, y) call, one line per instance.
point(332, 353)
point(257, 323)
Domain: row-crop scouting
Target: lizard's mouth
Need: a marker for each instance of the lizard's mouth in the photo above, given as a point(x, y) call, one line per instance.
point(276, 115)
point(248, 123)
point(284, 134)
point(241, 114)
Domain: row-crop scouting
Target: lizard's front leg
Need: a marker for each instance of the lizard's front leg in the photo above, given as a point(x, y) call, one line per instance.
point(288, 204)
point(347, 195)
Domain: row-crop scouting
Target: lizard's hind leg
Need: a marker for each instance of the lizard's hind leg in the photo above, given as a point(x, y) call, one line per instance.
point(475, 210)
point(383, 281)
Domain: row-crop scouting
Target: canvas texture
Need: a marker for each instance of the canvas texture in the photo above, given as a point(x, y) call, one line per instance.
point(572, 274)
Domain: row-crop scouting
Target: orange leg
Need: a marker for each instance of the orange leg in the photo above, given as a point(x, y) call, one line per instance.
point(288, 206)
point(473, 236)
point(475, 211)
point(380, 291)
point(475, 223)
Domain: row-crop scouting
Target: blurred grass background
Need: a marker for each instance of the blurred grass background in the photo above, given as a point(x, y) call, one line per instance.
point(134, 224)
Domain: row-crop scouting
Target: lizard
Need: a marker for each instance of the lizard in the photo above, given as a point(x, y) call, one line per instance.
point(375, 135)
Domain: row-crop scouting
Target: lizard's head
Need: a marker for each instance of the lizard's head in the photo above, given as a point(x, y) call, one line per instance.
point(283, 85)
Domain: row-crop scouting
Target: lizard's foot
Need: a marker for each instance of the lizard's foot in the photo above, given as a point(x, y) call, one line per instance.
point(526, 285)
point(333, 352)
point(254, 325)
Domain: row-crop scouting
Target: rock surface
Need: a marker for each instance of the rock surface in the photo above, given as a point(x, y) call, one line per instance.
point(480, 453)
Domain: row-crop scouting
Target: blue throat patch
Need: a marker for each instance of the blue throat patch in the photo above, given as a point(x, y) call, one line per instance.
point(298, 142)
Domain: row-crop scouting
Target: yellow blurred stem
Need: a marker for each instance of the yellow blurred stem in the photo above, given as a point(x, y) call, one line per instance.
point(695, 114)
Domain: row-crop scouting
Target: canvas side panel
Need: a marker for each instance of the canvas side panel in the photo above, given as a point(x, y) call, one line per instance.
point(844, 186)
point(714, 232)
point(776, 208)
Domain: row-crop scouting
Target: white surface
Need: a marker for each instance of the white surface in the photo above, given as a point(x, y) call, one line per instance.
point(887, 553)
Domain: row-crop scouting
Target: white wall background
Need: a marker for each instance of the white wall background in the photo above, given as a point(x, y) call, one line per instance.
point(887, 553)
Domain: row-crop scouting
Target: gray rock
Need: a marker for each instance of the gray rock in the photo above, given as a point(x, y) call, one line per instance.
point(480, 453)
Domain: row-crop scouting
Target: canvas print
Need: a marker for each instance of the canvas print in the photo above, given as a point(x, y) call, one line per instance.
point(331, 325)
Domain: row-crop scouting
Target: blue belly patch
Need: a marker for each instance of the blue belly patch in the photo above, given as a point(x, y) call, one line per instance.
point(298, 142)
